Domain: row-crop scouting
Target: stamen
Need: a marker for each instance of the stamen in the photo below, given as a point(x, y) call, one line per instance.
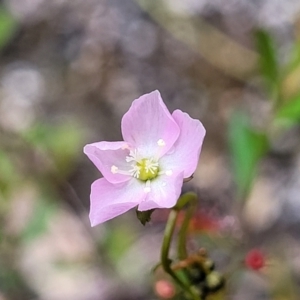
point(135, 171)
point(151, 166)
point(141, 168)
point(114, 169)
point(133, 156)
point(161, 143)
point(147, 188)
point(168, 173)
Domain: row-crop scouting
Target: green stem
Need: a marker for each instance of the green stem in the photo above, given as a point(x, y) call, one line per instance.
point(182, 234)
point(166, 262)
point(185, 199)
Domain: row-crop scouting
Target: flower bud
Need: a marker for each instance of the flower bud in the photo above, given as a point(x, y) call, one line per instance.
point(255, 259)
point(165, 289)
point(214, 281)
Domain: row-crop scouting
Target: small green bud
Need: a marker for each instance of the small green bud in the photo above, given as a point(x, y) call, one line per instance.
point(196, 274)
point(209, 265)
point(214, 281)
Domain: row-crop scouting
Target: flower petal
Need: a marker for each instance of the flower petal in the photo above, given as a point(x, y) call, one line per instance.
point(165, 191)
point(149, 126)
point(185, 153)
point(110, 200)
point(104, 155)
point(147, 205)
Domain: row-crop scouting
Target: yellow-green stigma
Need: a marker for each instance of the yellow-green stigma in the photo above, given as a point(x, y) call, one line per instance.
point(148, 169)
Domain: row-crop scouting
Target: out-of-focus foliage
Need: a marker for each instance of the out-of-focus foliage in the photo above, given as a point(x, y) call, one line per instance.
point(247, 148)
point(8, 26)
point(268, 59)
point(43, 210)
point(290, 110)
point(8, 175)
point(57, 143)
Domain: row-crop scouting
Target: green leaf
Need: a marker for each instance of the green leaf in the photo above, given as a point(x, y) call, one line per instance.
point(267, 58)
point(247, 147)
point(8, 26)
point(290, 110)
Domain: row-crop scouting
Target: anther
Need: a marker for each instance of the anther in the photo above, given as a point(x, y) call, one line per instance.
point(114, 169)
point(147, 189)
point(161, 143)
point(125, 146)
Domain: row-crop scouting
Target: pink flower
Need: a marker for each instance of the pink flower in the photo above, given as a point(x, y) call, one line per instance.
point(147, 169)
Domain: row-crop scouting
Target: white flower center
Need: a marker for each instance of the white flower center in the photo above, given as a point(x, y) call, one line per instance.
point(142, 168)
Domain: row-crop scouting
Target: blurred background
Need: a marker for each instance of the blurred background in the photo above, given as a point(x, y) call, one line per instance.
point(70, 70)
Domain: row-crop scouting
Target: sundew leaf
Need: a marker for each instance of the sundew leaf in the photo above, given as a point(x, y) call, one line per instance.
point(267, 58)
point(290, 110)
point(8, 26)
point(247, 146)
